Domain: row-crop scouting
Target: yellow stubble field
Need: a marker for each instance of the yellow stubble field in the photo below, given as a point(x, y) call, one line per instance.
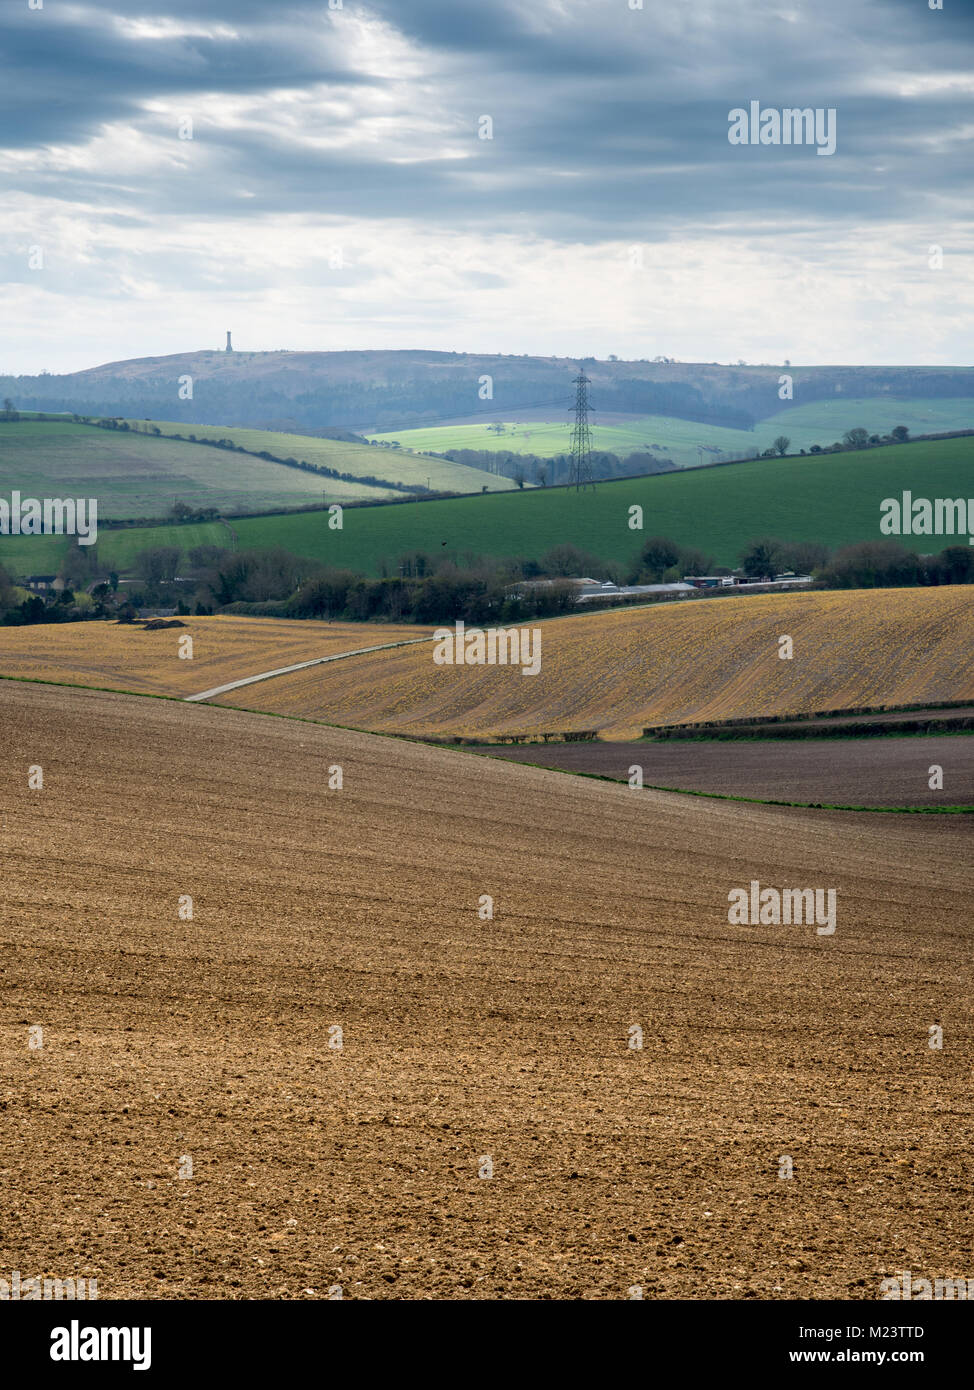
point(619, 671)
point(120, 656)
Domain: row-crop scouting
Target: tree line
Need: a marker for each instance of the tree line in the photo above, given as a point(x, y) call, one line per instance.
point(421, 587)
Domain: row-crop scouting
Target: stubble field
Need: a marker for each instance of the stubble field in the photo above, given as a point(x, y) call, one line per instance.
point(119, 656)
point(618, 672)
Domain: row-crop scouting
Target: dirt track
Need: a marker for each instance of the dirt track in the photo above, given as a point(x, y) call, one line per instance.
point(462, 1038)
point(836, 772)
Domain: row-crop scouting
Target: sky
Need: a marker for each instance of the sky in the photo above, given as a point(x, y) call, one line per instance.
point(521, 176)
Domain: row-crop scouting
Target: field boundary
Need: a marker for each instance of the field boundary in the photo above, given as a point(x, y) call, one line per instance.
point(816, 723)
point(807, 716)
point(864, 728)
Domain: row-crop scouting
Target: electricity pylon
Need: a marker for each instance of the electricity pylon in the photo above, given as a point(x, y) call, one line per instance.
point(582, 437)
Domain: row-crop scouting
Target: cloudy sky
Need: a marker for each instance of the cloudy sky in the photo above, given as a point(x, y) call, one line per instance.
point(337, 190)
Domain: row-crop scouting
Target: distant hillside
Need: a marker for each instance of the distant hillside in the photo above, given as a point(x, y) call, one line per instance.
point(364, 461)
point(387, 391)
point(834, 499)
point(135, 473)
point(688, 443)
point(142, 475)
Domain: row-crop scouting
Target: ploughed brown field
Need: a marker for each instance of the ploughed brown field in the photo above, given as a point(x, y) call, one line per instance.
point(463, 1038)
point(837, 772)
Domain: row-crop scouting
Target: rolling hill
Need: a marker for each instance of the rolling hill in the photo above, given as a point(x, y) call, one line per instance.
point(380, 391)
point(391, 465)
point(617, 672)
point(689, 443)
point(825, 422)
point(136, 472)
point(833, 498)
point(614, 672)
point(546, 436)
point(114, 656)
point(141, 475)
point(358, 1171)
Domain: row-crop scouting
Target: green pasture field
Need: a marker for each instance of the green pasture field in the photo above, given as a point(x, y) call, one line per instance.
point(689, 444)
point(833, 498)
point(394, 465)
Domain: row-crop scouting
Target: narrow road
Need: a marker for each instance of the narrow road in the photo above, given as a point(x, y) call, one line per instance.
point(300, 666)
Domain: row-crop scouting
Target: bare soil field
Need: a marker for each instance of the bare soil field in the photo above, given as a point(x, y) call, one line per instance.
point(840, 772)
point(942, 719)
point(618, 672)
point(463, 1039)
point(120, 656)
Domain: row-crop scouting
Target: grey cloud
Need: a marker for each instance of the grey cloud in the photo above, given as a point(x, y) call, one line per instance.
point(60, 81)
point(606, 120)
